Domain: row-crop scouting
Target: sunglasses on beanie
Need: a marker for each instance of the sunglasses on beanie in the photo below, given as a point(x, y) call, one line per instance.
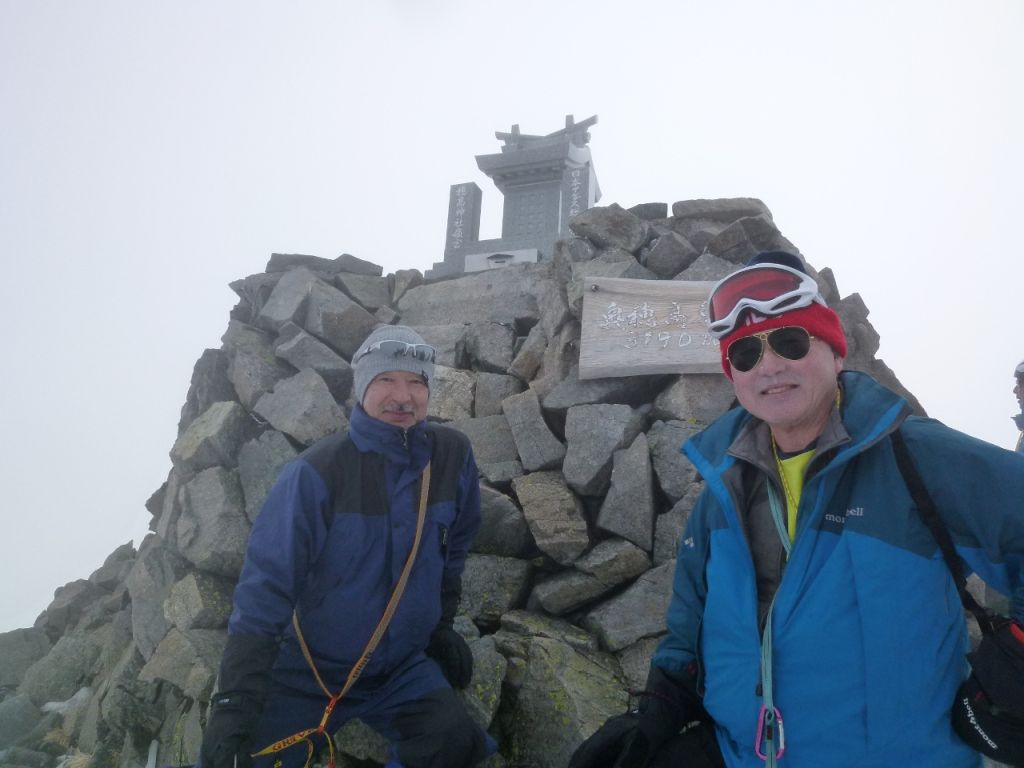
point(790, 342)
point(423, 352)
point(768, 289)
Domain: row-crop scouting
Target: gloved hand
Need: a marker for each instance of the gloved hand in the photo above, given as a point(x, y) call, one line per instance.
point(229, 729)
point(452, 654)
point(244, 680)
point(633, 739)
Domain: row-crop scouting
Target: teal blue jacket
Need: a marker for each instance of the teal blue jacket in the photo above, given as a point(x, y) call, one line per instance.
point(868, 630)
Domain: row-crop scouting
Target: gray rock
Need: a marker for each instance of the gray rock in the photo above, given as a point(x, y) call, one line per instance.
point(281, 262)
point(214, 438)
point(636, 613)
point(131, 703)
point(451, 394)
point(673, 470)
point(503, 527)
point(613, 263)
point(114, 569)
point(18, 715)
point(61, 672)
point(553, 304)
point(530, 355)
point(19, 650)
point(614, 562)
point(491, 389)
point(669, 255)
point(387, 315)
point(303, 350)
point(210, 384)
point(635, 661)
point(554, 514)
point(448, 343)
point(564, 697)
point(483, 695)
point(402, 281)
point(287, 302)
point(696, 398)
point(187, 660)
point(359, 741)
point(504, 295)
point(253, 368)
point(628, 508)
point(650, 211)
point(489, 346)
point(302, 407)
point(747, 237)
point(568, 252)
point(518, 626)
point(492, 586)
point(611, 227)
point(537, 446)
point(561, 356)
point(212, 531)
point(337, 320)
point(566, 591)
point(199, 601)
point(570, 391)
point(491, 439)
point(253, 291)
point(707, 267)
point(593, 433)
point(69, 603)
point(259, 462)
point(155, 571)
point(669, 526)
point(370, 291)
point(723, 210)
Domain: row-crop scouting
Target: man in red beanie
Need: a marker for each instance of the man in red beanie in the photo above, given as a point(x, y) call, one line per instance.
point(813, 621)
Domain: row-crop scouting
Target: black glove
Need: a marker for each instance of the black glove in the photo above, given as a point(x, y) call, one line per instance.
point(452, 654)
point(235, 711)
point(229, 728)
point(631, 741)
point(447, 647)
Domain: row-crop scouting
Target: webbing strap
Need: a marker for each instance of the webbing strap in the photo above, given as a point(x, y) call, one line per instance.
point(930, 516)
point(371, 645)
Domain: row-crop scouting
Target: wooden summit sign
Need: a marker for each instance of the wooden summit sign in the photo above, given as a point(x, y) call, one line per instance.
point(632, 327)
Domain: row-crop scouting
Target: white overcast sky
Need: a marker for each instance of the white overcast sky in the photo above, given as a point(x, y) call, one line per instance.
point(150, 153)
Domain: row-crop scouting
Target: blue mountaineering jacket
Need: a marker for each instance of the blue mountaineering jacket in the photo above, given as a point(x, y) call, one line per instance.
point(868, 631)
point(333, 536)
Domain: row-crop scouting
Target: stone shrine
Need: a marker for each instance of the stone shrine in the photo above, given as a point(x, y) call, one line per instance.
point(545, 181)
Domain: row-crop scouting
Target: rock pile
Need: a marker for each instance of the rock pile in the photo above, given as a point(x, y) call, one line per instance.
point(584, 491)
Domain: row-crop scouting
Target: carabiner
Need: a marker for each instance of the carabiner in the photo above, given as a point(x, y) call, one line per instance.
point(766, 723)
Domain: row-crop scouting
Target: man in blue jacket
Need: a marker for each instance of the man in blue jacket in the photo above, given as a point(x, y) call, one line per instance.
point(813, 623)
point(325, 555)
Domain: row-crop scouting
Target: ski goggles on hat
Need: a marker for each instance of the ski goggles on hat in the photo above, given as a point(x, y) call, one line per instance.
point(768, 289)
point(790, 342)
point(423, 352)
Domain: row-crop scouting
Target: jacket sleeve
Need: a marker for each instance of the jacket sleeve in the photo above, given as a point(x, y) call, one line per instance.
point(686, 608)
point(286, 539)
point(978, 489)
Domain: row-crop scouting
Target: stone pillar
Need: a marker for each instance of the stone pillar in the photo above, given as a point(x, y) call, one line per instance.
point(463, 221)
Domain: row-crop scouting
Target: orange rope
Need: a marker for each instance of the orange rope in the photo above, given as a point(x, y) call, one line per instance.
point(364, 659)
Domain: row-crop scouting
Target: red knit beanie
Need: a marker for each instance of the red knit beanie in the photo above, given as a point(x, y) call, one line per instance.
point(821, 322)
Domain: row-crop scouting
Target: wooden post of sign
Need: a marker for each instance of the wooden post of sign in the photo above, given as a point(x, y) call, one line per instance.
point(632, 327)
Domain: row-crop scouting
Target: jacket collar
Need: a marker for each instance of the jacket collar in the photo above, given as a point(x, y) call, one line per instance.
point(869, 412)
point(407, 447)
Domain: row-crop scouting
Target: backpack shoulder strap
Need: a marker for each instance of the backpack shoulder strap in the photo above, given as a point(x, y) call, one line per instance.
point(931, 518)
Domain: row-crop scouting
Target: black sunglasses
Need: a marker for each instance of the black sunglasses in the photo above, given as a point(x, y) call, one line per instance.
point(791, 343)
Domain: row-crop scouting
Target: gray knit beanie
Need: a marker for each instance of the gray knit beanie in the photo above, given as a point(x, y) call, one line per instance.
point(368, 365)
